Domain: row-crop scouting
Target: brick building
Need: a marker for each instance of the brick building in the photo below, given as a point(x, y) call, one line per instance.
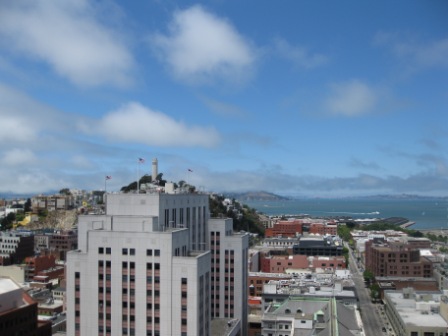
point(397, 259)
point(279, 264)
point(324, 228)
point(18, 312)
point(291, 229)
point(34, 265)
point(63, 241)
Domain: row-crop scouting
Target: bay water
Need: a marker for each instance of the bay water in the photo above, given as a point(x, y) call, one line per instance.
point(426, 213)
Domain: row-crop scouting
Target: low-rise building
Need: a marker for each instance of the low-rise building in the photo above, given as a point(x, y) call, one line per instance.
point(414, 313)
point(285, 228)
point(18, 312)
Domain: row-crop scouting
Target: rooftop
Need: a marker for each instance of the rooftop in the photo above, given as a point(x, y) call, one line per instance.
point(421, 308)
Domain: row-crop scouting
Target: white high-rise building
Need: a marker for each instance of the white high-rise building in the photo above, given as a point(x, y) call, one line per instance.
point(143, 268)
point(229, 271)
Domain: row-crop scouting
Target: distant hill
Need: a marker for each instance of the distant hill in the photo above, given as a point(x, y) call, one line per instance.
point(256, 196)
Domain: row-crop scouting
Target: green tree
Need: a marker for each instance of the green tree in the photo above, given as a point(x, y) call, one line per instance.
point(344, 232)
point(65, 191)
point(7, 221)
point(368, 276)
point(27, 207)
point(375, 291)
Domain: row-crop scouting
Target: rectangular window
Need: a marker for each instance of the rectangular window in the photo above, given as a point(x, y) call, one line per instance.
point(124, 251)
point(149, 252)
point(157, 253)
point(108, 250)
point(100, 250)
point(132, 251)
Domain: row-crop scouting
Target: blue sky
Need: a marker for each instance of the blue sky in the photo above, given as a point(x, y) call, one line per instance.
point(300, 98)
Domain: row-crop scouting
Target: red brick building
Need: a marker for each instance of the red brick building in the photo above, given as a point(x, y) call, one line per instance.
point(18, 312)
point(285, 229)
point(324, 228)
point(62, 242)
point(256, 281)
point(34, 265)
point(397, 259)
point(333, 262)
point(279, 264)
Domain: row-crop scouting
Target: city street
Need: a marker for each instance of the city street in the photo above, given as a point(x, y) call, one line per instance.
point(369, 313)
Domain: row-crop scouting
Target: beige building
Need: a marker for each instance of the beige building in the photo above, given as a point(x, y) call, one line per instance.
point(413, 313)
point(136, 272)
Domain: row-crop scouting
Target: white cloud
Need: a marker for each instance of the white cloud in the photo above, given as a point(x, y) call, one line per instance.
point(24, 119)
point(18, 156)
point(300, 56)
point(200, 46)
point(416, 54)
point(67, 36)
point(351, 98)
point(136, 123)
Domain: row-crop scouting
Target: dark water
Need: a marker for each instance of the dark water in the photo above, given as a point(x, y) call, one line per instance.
point(426, 213)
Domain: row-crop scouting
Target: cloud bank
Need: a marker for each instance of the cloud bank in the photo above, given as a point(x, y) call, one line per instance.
point(69, 38)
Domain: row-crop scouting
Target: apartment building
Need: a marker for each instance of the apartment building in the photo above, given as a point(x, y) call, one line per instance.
point(229, 265)
point(52, 202)
point(397, 259)
point(15, 247)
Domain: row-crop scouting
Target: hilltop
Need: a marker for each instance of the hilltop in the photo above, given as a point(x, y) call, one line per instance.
point(256, 196)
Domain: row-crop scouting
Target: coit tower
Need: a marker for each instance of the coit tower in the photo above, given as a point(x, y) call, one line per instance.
point(154, 169)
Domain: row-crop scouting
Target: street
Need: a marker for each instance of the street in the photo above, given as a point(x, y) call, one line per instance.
point(369, 314)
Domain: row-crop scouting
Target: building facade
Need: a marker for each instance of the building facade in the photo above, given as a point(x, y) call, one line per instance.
point(397, 259)
point(140, 268)
point(18, 312)
point(289, 228)
point(229, 265)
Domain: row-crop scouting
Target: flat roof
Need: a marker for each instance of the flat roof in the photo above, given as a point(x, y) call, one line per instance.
point(7, 285)
point(406, 308)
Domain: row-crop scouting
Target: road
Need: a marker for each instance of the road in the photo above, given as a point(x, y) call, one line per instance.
point(369, 314)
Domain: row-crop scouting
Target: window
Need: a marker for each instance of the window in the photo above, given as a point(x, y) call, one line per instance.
point(124, 251)
point(132, 251)
point(100, 250)
point(157, 253)
point(149, 252)
point(108, 250)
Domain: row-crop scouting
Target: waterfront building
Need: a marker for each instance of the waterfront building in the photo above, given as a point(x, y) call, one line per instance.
point(327, 228)
point(285, 228)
